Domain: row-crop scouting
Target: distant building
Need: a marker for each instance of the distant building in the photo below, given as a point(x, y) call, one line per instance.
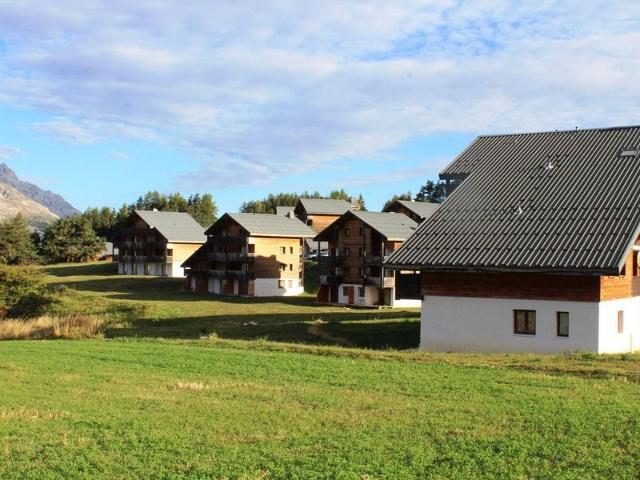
point(358, 244)
point(319, 213)
point(537, 248)
point(285, 210)
point(250, 254)
point(417, 211)
point(156, 243)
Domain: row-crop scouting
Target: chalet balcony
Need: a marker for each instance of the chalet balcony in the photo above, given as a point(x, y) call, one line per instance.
point(228, 240)
point(331, 260)
point(231, 257)
point(231, 274)
point(384, 282)
point(331, 279)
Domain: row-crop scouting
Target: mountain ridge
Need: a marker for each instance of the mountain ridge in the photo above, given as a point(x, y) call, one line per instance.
point(53, 202)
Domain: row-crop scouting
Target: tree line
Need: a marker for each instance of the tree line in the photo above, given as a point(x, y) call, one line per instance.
point(273, 200)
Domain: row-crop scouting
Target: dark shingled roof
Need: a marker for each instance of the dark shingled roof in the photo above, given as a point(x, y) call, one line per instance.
point(565, 202)
point(422, 209)
point(268, 225)
point(176, 227)
point(392, 226)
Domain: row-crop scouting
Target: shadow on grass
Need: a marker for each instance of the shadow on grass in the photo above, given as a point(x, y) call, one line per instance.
point(107, 269)
point(364, 330)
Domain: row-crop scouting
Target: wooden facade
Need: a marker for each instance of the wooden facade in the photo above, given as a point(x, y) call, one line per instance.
point(232, 254)
point(536, 286)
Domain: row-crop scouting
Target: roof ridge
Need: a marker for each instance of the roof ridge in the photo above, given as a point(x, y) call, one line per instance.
point(541, 132)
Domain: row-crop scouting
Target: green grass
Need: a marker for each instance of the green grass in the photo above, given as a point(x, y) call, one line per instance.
point(158, 307)
point(234, 405)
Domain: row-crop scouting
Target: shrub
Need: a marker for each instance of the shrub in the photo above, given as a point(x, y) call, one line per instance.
point(71, 326)
point(23, 291)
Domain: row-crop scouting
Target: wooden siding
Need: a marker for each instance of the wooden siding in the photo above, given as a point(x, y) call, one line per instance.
point(512, 285)
point(621, 286)
point(182, 251)
point(353, 262)
point(320, 222)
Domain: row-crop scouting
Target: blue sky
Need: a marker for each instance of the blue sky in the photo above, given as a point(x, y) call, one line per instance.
point(103, 101)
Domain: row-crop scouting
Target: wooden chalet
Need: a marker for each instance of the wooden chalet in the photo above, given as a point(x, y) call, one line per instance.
point(249, 254)
point(353, 272)
point(416, 211)
point(156, 243)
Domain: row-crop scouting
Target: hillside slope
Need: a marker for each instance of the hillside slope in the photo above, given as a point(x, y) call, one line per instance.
point(52, 201)
point(13, 202)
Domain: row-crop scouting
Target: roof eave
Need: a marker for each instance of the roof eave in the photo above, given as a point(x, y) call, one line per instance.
point(609, 271)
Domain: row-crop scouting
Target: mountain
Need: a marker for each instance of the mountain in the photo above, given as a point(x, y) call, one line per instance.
point(13, 202)
point(55, 203)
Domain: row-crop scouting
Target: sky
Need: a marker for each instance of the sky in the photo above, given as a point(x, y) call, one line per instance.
point(103, 101)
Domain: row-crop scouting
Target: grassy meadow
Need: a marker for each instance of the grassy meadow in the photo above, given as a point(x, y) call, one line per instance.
point(185, 385)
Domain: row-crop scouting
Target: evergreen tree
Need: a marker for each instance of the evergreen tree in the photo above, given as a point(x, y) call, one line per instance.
point(71, 239)
point(402, 196)
point(431, 192)
point(16, 242)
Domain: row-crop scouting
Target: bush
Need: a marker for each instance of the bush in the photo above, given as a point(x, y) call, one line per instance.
point(23, 291)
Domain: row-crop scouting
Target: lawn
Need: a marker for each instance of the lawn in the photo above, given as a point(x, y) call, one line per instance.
point(229, 402)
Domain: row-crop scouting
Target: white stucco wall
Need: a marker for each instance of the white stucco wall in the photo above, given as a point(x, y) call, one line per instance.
point(371, 295)
point(404, 302)
point(609, 340)
point(268, 287)
point(462, 324)
point(174, 270)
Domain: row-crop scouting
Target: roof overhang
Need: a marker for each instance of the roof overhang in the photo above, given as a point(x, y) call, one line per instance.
point(496, 269)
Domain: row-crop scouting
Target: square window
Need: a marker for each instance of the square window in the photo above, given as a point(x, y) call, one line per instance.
point(562, 327)
point(620, 321)
point(345, 291)
point(524, 322)
point(361, 251)
point(361, 232)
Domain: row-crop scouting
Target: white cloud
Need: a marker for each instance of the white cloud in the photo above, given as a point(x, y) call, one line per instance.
point(259, 90)
point(7, 152)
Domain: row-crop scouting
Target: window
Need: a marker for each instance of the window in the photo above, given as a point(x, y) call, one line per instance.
point(345, 291)
point(283, 267)
point(620, 321)
point(347, 252)
point(361, 292)
point(291, 250)
point(562, 324)
point(361, 251)
point(347, 232)
point(361, 231)
point(283, 250)
point(169, 252)
point(291, 267)
point(310, 222)
point(280, 283)
point(524, 322)
point(290, 283)
point(361, 272)
point(252, 248)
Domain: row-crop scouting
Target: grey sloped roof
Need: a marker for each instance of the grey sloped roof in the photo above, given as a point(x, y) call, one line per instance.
point(284, 209)
point(393, 226)
point(324, 206)
point(422, 209)
point(555, 202)
point(264, 224)
point(177, 227)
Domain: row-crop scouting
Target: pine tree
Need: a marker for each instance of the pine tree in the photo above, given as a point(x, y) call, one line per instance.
point(71, 239)
point(16, 242)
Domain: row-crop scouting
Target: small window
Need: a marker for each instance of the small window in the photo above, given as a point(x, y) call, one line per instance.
point(291, 267)
point(252, 248)
point(562, 320)
point(361, 292)
point(290, 283)
point(169, 252)
point(283, 250)
point(280, 283)
point(361, 272)
point(347, 252)
point(310, 222)
point(283, 267)
point(345, 291)
point(524, 322)
point(291, 250)
point(347, 232)
point(361, 231)
point(620, 321)
point(361, 251)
